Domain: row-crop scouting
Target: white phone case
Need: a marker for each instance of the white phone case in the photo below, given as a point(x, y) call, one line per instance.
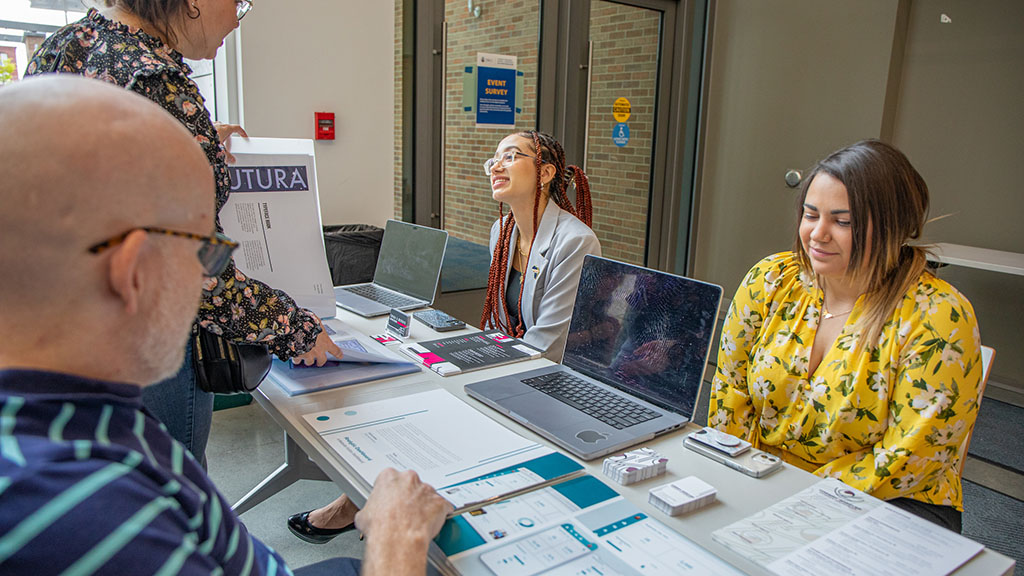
point(752, 462)
point(725, 443)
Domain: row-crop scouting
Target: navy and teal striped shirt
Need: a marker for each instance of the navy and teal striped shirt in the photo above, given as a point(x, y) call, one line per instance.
point(91, 483)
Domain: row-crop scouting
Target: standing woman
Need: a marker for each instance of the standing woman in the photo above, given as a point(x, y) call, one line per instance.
point(537, 249)
point(847, 357)
point(140, 45)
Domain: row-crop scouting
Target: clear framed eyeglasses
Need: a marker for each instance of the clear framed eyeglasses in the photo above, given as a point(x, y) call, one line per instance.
point(504, 160)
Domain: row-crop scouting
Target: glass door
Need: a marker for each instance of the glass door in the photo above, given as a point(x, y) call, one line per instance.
point(510, 32)
point(625, 59)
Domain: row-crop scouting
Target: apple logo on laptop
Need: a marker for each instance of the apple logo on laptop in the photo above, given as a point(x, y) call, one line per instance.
point(591, 436)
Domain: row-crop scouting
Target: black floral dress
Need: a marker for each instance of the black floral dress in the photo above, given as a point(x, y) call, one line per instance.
point(234, 305)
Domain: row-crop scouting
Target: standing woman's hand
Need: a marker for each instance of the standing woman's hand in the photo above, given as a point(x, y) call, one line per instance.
point(318, 354)
point(224, 132)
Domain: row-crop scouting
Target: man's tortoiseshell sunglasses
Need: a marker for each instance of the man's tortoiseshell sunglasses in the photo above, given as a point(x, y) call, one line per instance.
point(214, 253)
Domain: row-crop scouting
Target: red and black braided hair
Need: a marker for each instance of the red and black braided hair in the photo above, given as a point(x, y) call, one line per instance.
point(547, 150)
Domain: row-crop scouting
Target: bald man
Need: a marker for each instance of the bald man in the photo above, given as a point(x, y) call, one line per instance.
point(94, 305)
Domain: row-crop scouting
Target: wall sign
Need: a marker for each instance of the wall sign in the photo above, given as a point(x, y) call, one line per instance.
point(496, 90)
point(620, 134)
point(621, 109)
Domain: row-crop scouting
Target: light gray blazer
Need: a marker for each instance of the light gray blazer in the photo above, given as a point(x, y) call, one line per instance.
point(551, 278)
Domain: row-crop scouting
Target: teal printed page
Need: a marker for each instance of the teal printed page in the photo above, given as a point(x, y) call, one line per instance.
point(578, 527)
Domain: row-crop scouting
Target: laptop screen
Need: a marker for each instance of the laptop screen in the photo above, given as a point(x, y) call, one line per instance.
point(410, 259)
point(644, 332)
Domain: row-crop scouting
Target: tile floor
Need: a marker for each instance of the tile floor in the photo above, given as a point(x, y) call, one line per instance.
point(246, 446)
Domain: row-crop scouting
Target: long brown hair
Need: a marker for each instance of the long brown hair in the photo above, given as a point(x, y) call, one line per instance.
point(884, 189)
point(546, 150)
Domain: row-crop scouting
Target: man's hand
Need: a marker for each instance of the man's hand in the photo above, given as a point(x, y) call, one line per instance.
point(224, 132)
point(402, 503)
point(399, 519)
point(318, 354)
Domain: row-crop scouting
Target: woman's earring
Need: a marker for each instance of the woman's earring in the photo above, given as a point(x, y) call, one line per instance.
point(198, 13)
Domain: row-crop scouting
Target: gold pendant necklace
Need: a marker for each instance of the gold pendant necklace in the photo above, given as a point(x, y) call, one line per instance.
point(524, 258)
point(828, 315)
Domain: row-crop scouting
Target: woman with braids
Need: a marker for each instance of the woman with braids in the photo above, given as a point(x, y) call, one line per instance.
point(538, 248)
point(538, 252)
point(846, 356)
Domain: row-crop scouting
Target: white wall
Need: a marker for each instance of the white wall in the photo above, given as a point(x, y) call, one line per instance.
point(328, 56)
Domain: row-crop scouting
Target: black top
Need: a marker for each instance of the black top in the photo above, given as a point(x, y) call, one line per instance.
point(515, 286)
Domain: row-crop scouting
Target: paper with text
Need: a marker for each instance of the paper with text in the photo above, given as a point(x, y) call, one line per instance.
point(273, 212)
point(434, 433)
point(831, 528)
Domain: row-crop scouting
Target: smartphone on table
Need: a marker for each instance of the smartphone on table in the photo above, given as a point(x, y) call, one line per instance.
point(733, 452)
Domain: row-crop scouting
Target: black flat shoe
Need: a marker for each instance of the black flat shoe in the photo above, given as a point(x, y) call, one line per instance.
point(300, 526)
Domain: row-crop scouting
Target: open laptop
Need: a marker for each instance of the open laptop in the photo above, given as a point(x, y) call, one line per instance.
point(634, 361)
point(408, 269)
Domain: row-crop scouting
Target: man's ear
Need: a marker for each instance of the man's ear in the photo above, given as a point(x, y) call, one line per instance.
point(547, 173)
point(125, 271)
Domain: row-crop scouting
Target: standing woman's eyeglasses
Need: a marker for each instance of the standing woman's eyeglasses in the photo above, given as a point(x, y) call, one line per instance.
point(242, 8)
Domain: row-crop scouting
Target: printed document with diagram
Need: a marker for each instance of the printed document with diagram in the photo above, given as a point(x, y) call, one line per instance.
point(442, 438)
point(577, 527)
point(274, 214)
point(831, 528)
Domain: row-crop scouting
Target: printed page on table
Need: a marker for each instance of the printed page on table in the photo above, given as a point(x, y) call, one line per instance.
point(578, 527)
point(443, 439)
point(458, 354)
point(833, 528)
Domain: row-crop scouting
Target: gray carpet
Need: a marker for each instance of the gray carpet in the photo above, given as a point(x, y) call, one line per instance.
point(996, 521)
point(998, 433)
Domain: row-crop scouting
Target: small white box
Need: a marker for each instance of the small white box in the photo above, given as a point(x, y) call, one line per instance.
point(682, 496)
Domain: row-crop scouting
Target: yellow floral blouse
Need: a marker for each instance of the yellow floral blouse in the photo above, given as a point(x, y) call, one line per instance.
point(887, 419)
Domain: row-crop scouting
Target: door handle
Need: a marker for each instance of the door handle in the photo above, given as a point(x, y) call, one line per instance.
point(793, 178)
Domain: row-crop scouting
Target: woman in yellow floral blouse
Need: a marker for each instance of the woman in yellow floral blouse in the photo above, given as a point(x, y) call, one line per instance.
point(847, 357)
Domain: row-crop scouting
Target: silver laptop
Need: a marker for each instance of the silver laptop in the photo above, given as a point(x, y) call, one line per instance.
point(634, 361)
point(408, 269)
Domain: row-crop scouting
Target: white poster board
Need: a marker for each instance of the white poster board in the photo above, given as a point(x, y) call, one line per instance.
point(274, 214)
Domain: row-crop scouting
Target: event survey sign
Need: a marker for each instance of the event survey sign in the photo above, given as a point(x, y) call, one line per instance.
point(273, 212)
point(434, 433)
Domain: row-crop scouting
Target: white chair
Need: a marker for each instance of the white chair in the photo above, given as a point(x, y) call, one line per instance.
point(987, 354)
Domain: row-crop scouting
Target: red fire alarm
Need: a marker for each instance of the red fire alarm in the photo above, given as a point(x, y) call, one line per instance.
point(324, 125)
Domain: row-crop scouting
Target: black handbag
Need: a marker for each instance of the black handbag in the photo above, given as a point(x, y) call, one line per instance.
point(226, 367)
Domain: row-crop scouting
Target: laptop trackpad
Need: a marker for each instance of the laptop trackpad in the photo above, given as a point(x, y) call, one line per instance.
point(548, 412)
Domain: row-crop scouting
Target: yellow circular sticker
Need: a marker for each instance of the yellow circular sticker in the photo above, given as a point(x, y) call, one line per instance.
point(621, 109)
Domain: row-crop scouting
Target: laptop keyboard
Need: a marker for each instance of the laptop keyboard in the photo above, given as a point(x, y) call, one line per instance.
point(595, 401)
point(389, 299)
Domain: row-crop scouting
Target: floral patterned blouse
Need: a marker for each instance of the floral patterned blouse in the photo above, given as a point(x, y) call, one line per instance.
point(234, 305)
point(887, 419)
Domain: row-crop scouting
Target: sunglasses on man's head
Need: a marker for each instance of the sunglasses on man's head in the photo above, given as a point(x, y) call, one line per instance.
point(214, 253)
